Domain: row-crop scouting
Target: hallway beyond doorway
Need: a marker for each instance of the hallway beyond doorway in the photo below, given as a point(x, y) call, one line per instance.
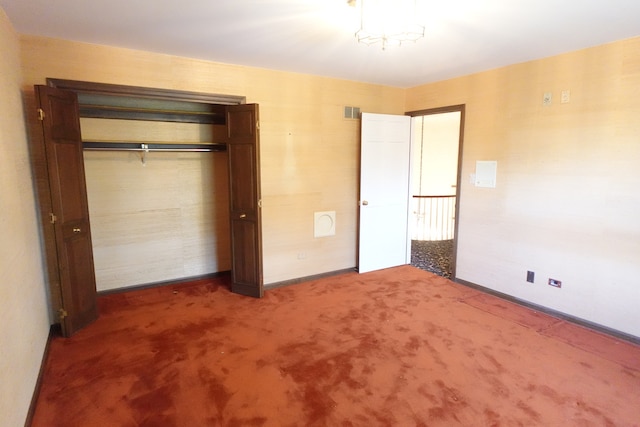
point(433, 256)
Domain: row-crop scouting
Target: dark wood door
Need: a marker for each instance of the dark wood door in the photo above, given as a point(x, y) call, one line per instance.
point(244, 199)
point(70, 210)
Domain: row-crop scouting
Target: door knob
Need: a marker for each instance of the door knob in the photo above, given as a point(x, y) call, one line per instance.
point(243, 216)
point(365, 203)
point(76, 230)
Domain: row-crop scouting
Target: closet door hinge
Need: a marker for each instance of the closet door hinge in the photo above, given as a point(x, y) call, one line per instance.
point(257, 125)
point(52, 218)
point(40, 114)
point(62, 313)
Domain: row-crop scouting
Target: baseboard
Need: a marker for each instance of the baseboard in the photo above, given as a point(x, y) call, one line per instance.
point(163, 283)
point(551, 312)
point(219, 274)
point(308, 278)
point(53, 330)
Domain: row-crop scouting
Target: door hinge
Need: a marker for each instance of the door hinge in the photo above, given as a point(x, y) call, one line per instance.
point(62, 313)
point(52, 218)
point(260, 203)
point(257, 125)
point(40, 114)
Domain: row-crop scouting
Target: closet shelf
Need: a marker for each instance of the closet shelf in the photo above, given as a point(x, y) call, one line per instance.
point(152, 146)
point(151, 114)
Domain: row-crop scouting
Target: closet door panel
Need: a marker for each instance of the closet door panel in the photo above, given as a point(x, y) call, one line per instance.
point(244, 271)
point(65, 172)
point(70, 212)
point(244, 194)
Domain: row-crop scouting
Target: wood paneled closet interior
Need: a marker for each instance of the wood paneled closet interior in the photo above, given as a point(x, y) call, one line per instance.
point(140, 186)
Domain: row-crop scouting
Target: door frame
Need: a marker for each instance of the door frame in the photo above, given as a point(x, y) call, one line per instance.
point(144, 92)
point(451, 109)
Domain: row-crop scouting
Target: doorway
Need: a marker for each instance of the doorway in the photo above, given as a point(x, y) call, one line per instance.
point(436, 147)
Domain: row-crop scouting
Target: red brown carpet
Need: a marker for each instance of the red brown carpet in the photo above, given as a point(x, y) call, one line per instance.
point(398, 347)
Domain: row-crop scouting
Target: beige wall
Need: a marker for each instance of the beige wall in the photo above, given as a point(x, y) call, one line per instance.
point(162, 220)
point(309, 152)
point(160, 217)
point(23, 301)
point(567, 201)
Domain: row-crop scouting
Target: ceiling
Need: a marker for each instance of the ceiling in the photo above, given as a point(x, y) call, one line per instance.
point(317, 36)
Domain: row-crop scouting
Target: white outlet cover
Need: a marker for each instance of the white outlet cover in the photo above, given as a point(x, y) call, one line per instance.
point(324, 224)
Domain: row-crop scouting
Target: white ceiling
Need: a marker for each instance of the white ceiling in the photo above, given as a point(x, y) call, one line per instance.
point(317, 36)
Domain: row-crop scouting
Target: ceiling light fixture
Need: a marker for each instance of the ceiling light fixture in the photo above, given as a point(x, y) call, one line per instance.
point(388, 22)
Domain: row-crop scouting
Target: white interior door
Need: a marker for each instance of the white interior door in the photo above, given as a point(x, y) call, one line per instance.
point(384, 191)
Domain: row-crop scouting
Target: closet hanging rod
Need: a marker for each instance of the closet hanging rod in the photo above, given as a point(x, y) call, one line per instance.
point(152, 147)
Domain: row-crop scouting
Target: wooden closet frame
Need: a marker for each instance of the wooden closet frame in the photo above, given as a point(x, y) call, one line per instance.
point(82, 87)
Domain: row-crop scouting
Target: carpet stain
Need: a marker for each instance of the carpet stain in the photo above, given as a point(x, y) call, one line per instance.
point(318, 406)
point(414, 344)
point(494, 368)
point(532, 414)
point(243, 422)
point(491, 418)
point(450, 402)
point(548, 392)
point(154, 407)
point(217, 392)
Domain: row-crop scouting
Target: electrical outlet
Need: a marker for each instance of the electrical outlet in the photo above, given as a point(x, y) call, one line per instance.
point(555, 283)
point(546, 99)
point(530, 276)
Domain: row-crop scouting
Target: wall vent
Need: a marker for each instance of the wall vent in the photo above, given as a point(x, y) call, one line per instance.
point(351, 112)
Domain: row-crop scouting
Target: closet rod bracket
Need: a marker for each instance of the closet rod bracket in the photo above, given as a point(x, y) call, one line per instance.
point(144, 149)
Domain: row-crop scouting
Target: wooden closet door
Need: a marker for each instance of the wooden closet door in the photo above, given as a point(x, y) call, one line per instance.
point(70, 210)
point(244, 194)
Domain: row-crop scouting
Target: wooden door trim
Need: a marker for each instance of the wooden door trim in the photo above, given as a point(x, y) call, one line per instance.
point(83, 87)
point(451, 109)
point(79, 86)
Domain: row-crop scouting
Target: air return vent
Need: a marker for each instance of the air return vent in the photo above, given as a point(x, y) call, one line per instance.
point(351, 112)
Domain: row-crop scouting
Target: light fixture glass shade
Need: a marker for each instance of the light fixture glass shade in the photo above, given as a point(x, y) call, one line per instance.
point(388, 22)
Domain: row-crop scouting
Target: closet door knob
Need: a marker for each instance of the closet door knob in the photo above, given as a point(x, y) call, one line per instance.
point(243, 215)
point(76, 230)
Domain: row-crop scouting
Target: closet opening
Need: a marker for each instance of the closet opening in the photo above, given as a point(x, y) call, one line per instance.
point(169, 180)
